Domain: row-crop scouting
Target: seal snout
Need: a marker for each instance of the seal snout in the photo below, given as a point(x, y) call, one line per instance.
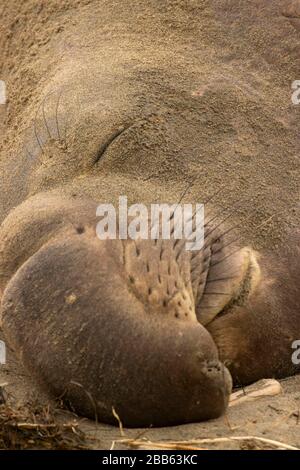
point(118, 317)
point(215, 370)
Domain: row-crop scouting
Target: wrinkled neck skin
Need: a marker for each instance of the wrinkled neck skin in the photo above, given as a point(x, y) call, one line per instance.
point(110, 101)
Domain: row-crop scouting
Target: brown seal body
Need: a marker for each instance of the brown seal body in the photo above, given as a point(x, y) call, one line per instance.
point(145, 329)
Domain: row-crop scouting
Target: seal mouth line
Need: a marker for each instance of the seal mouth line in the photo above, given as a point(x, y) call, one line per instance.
point(246, 287)
point(112, 138)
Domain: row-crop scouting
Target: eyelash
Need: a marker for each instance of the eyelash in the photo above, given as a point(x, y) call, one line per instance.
point(42, 121)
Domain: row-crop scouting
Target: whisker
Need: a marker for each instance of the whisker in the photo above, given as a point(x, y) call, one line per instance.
point(189, 185)
point(61, 138)
point(28, 153)
point(35, 129)
point(219, 224)
point(210, 198)
point(224, 220)
point(225, 257)
point(196, 253)
point(180, 199)
point(210, 242)
point(221, 279)
point(216, 293)
point(177, 204)
point(234, 227)
point(56, 115)
point(223, 234)
point(226, 233)
point(208, 306)
point(44, 115)
point(234, 240)
point(207, 201)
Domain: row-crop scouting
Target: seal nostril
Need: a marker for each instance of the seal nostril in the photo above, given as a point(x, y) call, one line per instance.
point(213, 366)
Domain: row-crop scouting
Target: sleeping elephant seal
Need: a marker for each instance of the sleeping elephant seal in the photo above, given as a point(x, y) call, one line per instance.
point(145, 101)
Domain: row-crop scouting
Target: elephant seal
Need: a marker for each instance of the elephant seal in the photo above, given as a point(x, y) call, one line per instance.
point(109, 100)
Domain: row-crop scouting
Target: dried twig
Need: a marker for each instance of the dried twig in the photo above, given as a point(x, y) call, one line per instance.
point(119, 421)
point(262, 388)
point(195, 443)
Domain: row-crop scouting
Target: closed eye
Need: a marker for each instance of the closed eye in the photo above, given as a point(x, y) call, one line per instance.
point(112, 138)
